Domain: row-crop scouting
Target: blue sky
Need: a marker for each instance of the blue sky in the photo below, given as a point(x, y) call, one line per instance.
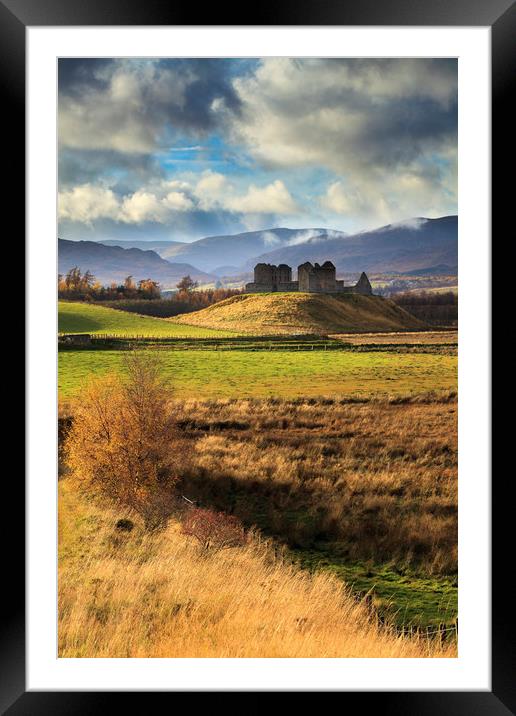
point(181, 149)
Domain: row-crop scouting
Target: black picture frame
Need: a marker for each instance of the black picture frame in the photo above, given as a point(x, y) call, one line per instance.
point(500, 15)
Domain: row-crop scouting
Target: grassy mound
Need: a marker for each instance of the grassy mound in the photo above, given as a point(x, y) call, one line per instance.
point(272, 313)
point(75, 317)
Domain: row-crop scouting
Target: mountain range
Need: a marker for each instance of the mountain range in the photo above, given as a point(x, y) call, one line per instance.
point(149, 245)
point(418, 246)
point(114, 263)
point(405, 247)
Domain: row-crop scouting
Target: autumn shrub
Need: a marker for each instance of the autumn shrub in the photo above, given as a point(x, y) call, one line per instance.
point(214, 529)
point(123, 443)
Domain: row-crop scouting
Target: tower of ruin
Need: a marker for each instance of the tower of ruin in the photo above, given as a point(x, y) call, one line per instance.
point(316, 278)
point(268, 277)
point(312, 278)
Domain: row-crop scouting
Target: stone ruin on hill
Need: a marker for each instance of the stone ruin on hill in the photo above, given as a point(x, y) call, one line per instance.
point(311, 279)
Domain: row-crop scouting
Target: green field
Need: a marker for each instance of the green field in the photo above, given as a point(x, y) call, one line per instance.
point(221, 374)
point(87, 318)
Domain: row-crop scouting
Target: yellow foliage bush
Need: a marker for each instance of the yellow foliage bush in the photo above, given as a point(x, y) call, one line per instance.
point(121, 443)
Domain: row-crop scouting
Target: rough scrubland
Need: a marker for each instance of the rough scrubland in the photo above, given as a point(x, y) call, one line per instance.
point(141, 594)
point(366, 489)
point(378, 477)
point(346, 459)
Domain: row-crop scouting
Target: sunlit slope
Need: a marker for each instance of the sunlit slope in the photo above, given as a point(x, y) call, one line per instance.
point(159, 594)
point(303, 313)
point(77, 317)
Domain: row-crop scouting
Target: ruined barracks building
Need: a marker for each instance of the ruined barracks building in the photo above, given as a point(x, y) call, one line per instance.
point(310, 278)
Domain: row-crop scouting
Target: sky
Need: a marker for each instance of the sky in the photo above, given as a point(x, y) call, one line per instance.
point(179, 149)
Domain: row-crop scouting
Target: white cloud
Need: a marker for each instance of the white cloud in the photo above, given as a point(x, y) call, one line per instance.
point(340, 201)
point(308, 235)
point(382, 130)
point(415, 223)
point(142, 206)
point(410, 193)
point(178, 201)
point(271, 199)
point(210, 189)
point(161, 201)
point(344, 113)
point(86, 203)
point(271, 240)
point(385, 128)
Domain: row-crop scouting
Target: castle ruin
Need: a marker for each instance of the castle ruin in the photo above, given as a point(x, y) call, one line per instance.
point(311, 278)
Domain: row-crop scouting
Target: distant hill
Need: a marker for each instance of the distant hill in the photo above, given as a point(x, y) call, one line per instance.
point(113, 263)
point(440, 270)
point(229, 253)
point(150, 245)
point(404, 247)
point(302, 313)
point(417, 246)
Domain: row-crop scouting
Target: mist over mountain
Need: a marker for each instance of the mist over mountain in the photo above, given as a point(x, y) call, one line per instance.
point(114, 263)
point(412, 245)
point(417, 246)
point(233, 251)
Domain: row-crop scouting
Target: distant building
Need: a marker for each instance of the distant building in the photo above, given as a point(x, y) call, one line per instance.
point(312, 278)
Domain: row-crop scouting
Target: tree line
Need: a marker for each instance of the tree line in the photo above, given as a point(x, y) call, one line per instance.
point(143, 297)
point(85, 287)
point(434, 307)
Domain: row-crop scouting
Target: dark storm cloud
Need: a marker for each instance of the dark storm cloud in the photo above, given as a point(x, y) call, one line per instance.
point(347, 115)
point(136, 106)
point(181, 141)
point(404, 130)
point(75, 75)
point(212, 82)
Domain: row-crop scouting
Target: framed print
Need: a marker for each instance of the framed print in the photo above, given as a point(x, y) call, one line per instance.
point(259, 452)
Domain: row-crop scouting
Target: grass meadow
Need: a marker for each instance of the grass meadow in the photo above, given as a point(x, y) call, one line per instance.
point(75, 317)
point(231, 374)
point(341, 463)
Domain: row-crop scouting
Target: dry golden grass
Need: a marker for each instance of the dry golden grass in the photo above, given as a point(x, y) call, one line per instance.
point(297, 313)
point(378, 477)
point(406, 338)
point(143, 594)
